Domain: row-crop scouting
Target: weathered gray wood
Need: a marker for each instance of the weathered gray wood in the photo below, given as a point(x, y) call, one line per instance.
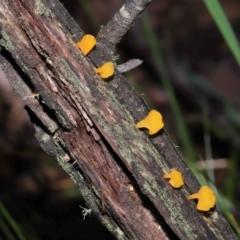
point(80, 118)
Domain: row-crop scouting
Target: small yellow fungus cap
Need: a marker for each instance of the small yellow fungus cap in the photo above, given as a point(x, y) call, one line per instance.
point(176, 179)
point(87, 43)
point(206, 198)
point(153, 122)
point(106, 70)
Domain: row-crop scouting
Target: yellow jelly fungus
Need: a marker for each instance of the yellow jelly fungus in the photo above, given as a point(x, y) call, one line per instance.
point(87, 43)
point(176, 179)
point(206, 198)
point(106, 70)
point(153, 122)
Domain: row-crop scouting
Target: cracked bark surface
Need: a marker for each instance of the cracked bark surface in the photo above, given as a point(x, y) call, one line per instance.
point(88, 126)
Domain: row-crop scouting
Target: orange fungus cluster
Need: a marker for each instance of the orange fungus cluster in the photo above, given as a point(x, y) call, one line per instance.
point(206, 198)
point(154, 123)
point(175, 178)
point(87, 43)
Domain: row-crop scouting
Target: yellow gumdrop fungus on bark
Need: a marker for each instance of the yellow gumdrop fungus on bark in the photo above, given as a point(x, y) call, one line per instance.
point(87, 43)
point(153, 122)
point(106, 70)
point(206, 198)
point(175, 178)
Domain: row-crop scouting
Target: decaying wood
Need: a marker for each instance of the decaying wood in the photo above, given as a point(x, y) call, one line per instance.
point(88, 126)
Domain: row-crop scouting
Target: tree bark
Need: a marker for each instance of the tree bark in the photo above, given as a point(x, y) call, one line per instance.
point(88, 126)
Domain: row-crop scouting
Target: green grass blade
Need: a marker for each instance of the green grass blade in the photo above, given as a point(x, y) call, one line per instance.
point(5, 229)
point(224, 26)
point(230, 184)
point(207, 143)
point(11, 221)
point(156, 51)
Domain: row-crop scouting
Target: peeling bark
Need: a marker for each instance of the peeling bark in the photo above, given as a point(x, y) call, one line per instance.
point(88, 126)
